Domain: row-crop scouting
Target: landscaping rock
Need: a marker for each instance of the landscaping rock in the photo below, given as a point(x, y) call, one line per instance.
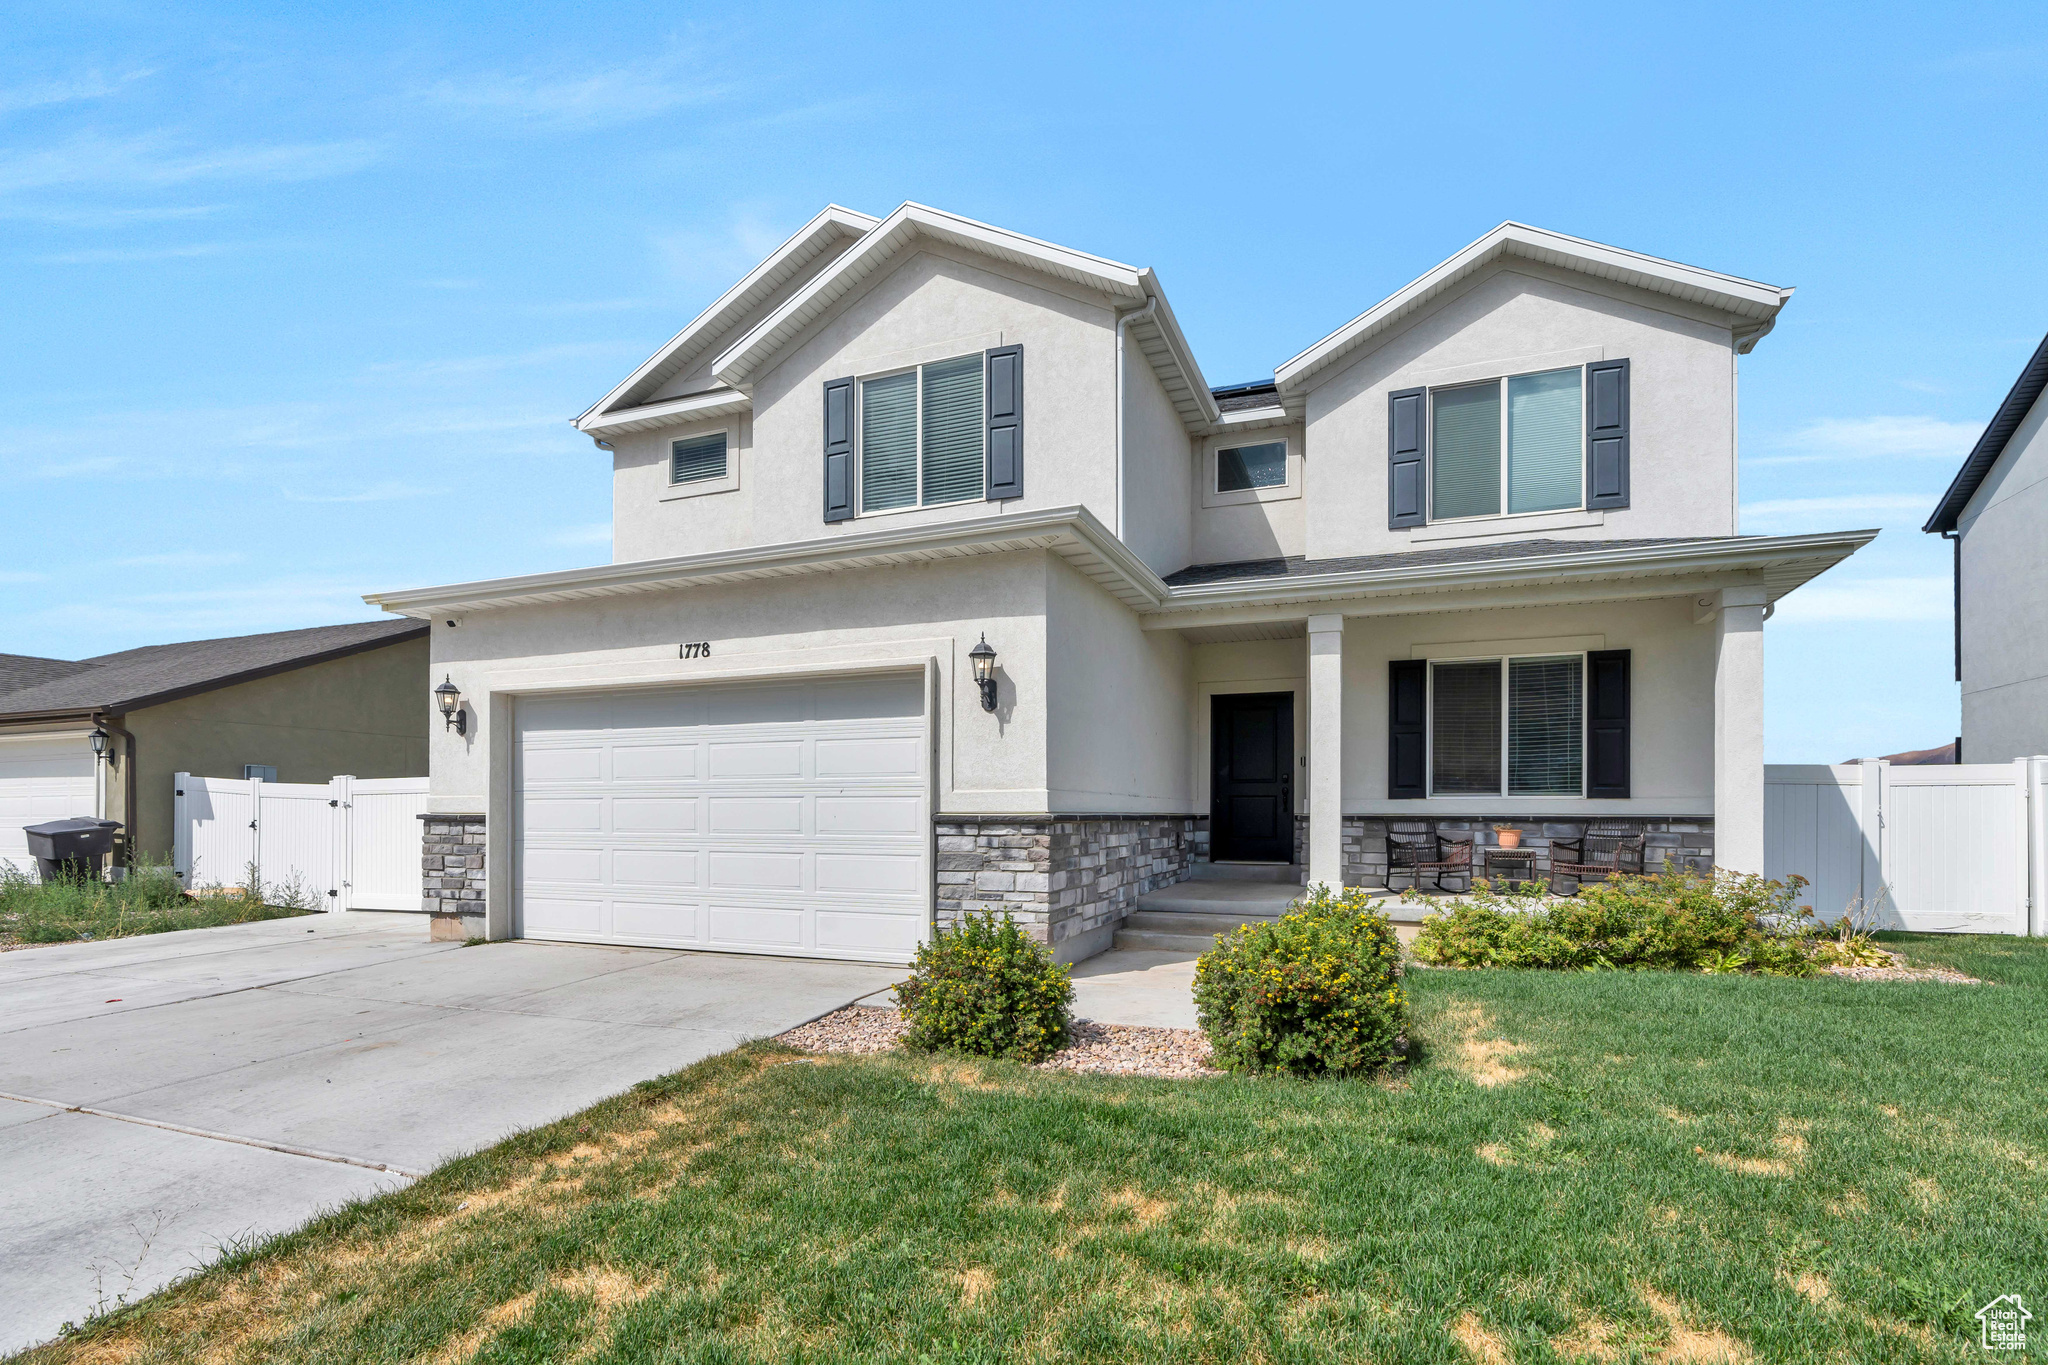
point(1097, 1049)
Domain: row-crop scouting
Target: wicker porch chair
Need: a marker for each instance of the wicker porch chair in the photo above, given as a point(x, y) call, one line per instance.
point(1596, 856)
point(1434, 857)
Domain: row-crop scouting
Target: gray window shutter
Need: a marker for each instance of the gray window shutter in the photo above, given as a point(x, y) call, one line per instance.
point(1607, 434)
point(1407, 717)
point(1407, 429)
point(1005, 423)
point(839, 450)
point(1607, 722)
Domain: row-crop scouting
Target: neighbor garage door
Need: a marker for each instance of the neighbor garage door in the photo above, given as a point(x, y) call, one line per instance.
point(40, 779)
point(786, 818)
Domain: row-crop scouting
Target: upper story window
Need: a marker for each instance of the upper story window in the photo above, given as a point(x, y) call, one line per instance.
point(697, 458)
point(1549, 441)
point(1240, 469)
point(922, 435)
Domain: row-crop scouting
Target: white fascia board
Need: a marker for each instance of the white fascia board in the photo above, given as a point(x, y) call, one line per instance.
point(672, 412)
point(834, 222)
point(1750, 300)
point(750, 354)
point(1782, 563)
point(1182, 355)
point(1072, 532)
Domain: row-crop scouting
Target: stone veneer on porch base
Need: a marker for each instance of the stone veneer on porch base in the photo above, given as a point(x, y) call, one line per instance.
point(452, 875)
point(1070, 879)
point(1671, 843)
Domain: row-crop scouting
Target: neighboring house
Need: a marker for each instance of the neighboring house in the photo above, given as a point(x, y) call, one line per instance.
point(1472, 557)
point(292, 706)
point(1996, 512)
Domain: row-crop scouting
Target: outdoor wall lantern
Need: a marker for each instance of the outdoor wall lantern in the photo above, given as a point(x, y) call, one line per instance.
point(449, 697)
point(984, 660)
point(99, 742)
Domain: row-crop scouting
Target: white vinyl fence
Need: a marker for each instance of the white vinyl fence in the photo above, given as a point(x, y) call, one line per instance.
point(1958, 848)
point(353, 843)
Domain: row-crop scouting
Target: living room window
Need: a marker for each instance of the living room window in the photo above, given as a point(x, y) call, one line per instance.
point(1511, 726)
point(1511, 445)
point(923, 436)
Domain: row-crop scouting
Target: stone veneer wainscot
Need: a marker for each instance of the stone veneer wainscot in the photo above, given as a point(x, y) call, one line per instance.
point(1069, 879)
point(452, 874)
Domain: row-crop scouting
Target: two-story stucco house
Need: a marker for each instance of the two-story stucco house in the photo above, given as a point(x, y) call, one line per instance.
point(1471, 558)
point(1996, 512)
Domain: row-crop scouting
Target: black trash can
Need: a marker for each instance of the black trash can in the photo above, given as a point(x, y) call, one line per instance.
point(71, 850)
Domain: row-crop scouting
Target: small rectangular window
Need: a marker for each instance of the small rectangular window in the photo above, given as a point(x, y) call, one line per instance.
point(1464, 464)
point(923, 439)
point(696, 458)
point(263, 770)
point(1240, 468)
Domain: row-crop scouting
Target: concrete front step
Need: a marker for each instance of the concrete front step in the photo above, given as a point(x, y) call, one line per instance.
point(1286, 873)
point(1169, 922)
point(1261, 900)
point(1155, 941)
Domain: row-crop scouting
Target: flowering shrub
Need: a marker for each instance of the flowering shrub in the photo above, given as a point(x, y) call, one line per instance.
point(988, 988)
point(1318, 990)
point(1674, 922)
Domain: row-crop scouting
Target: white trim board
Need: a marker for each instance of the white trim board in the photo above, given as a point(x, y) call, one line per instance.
point(1501, 649)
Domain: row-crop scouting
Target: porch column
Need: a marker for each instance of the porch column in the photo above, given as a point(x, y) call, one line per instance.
point(1739, 732)
point(1326, 751)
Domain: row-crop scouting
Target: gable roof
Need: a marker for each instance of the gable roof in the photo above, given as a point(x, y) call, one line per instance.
point(1755, 304)
point(1977, 464)
point(830, 228)
point(159, 673)
point(1157, 334)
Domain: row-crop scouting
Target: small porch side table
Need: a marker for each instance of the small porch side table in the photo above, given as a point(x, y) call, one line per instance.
point(1507, 861)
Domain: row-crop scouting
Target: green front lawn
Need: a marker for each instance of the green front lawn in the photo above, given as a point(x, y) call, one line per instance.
point(1604, 1166)
point(149, 901)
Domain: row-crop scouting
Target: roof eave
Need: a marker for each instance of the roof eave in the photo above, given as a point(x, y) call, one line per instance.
point(2019, 400)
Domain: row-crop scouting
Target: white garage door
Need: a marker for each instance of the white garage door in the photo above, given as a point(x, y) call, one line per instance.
point(786, 818)
point(40, 779)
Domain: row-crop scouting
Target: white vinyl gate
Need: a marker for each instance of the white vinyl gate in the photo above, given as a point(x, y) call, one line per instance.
point(1957, 848)
point(353, 843)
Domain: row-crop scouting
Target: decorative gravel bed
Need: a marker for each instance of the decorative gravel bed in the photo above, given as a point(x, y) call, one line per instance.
point(1098, 1049)
point(1899, 971)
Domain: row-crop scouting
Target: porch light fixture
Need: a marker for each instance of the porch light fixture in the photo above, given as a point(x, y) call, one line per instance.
point(449, 697)
point(984, 660)
point(99, 742)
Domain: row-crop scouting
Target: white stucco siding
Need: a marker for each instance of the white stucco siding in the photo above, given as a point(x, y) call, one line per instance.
point(839, 623)
point(1158, 473)
point(2005, 601)
point(1671, 697)
point(932, 305)
point(1118, 704)
point(1682, 432)
point(1272, 524)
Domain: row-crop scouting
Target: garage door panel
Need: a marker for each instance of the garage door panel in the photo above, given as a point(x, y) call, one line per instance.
point(562, 915)
point(756, 926)
point(563, 815)
point(653, 920)
point(41, 779)
point(757, 815)
point(879, 757)
point(755, 871)
point(654, 867)
point(729, 817)
point(870, 815)
point(654, 815)
point(867, 872)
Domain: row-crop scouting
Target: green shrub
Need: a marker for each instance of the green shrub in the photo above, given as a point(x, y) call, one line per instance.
point(1318, 990)
point(1674, 922)
point(988, 988)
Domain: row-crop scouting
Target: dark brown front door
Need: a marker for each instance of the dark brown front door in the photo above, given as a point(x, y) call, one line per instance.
point(1251, 778)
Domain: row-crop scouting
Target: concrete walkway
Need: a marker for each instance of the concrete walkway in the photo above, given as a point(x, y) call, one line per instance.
point(245, 1078)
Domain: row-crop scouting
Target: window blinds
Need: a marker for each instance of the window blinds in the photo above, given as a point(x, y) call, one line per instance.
point(1464, 467)
point(699, 457)
point(1544, 722)
point(952, 430)
point(1465, 729)
point(1544, 438)
point(888, 442)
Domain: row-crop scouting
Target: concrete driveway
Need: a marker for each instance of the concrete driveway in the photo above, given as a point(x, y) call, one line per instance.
point(243, 1079)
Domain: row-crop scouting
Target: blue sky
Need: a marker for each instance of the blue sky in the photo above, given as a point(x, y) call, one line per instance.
point(299, 301)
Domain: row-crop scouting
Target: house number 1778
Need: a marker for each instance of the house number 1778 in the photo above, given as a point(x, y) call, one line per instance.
point(697, 649)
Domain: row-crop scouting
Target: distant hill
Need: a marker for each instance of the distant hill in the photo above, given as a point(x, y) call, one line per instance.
point(1945, 754)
